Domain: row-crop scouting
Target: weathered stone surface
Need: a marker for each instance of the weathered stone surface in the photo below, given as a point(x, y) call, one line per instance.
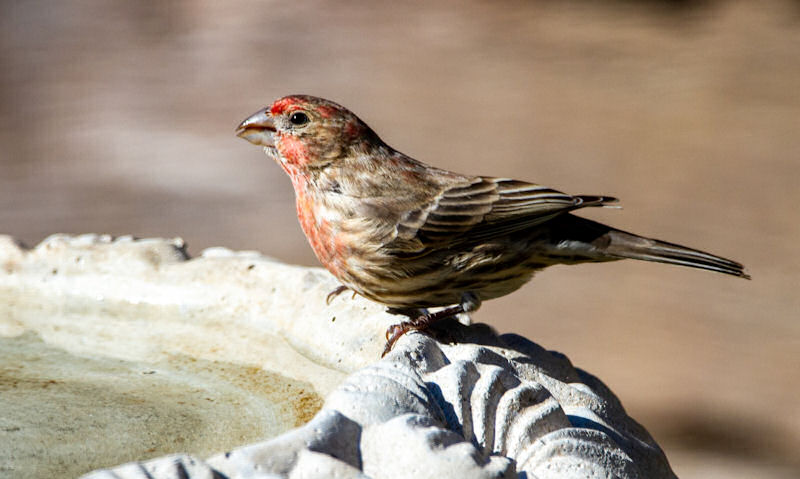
point(131, 340)
point(462, 402)
point(486, 407)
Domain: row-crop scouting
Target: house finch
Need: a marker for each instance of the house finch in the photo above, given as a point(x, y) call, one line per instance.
point(412, 236)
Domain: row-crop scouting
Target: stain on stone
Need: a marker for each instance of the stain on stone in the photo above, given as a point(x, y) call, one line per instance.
point(49, 397)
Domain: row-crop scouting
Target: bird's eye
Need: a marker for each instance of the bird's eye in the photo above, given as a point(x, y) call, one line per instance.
point(298, 118)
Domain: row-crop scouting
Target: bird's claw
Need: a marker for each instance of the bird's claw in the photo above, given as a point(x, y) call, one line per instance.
point(336, 292)
point(393, 333)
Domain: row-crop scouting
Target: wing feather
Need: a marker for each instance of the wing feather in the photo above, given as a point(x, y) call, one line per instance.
point(482, 208)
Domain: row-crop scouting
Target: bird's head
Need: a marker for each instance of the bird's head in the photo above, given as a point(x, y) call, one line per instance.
point(306, 132)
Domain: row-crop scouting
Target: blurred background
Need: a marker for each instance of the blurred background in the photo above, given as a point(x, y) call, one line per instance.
point(118, 117)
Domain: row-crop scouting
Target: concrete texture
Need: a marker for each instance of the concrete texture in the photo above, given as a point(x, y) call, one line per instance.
point(482, 407)
point(120, 349)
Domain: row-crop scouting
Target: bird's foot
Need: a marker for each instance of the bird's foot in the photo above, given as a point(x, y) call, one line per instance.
point(419, 323)
point(336, 292)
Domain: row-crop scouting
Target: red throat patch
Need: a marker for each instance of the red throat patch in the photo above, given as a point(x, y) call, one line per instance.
point(318, 231)
point(293, 149)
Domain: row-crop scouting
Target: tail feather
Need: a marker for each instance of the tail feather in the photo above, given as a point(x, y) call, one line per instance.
point(606, 243)
point(626, 245)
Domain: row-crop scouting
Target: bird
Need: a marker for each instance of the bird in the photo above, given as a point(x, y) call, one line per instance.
point(414, 237)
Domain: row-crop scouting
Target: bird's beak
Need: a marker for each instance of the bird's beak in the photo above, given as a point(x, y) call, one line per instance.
point(257, 128)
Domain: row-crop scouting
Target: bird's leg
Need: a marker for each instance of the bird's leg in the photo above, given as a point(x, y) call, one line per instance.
point(336, 292)
point(469, 302)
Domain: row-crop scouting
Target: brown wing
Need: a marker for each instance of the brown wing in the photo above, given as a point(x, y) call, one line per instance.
point(485, 208)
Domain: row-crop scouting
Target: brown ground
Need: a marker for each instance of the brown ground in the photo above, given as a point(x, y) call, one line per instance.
point(118, 117)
